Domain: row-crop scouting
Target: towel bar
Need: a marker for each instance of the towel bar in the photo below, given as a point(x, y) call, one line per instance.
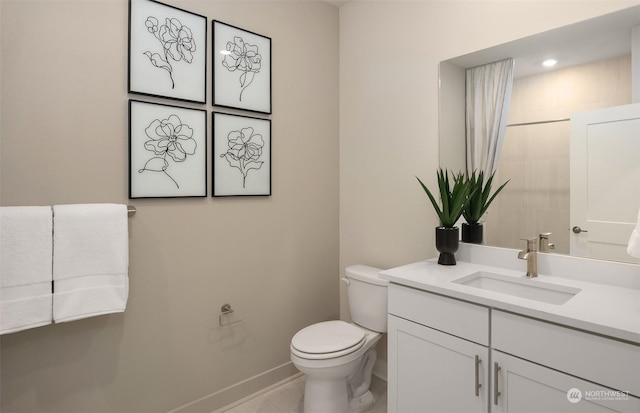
point(131, 210)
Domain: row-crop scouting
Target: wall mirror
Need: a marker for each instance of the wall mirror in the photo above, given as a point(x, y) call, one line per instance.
point(593, 72)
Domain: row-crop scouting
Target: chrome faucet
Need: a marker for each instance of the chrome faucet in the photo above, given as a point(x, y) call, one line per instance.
point(545, 245)
point(531, 255)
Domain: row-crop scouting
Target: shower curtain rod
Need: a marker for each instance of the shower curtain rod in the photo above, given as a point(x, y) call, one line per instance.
point(539, 122)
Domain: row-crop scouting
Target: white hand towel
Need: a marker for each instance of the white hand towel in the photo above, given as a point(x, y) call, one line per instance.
point(90, 260)
point(25, 267)
point(633, 248)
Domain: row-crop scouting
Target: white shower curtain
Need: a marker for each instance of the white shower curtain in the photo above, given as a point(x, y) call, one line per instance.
point(488, 95)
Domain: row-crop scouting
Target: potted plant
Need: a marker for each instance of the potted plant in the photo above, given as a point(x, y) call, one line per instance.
point(452, 196)
point(476, 205)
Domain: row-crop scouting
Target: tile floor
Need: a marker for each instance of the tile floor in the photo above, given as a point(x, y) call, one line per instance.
point(288, 398)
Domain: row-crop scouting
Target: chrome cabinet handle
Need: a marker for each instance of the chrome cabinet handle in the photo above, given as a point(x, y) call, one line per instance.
point(577, 230)
point(496, 393)
point(478, 384)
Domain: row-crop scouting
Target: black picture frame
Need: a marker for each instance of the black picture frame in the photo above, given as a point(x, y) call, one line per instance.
point(241, 155)
point(167, 52)
point(241, 62)
point(167, 151)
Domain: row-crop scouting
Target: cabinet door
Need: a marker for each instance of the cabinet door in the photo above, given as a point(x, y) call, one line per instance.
point(430, 371)
point(527, 387)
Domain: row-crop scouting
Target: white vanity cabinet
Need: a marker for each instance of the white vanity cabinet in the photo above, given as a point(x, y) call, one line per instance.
point(449, 355)
point(431, 371)
point(539, 366)
point(521, 386)
point(430, 367)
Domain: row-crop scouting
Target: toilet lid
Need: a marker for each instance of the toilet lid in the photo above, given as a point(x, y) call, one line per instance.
point(328, 337)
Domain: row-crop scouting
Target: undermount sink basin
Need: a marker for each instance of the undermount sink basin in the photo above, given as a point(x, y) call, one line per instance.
point(530, 289)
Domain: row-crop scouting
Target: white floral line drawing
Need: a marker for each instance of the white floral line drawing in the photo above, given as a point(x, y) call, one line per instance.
point(243, 57)
point(245, 151)
point(168, 138)
point(176, 41)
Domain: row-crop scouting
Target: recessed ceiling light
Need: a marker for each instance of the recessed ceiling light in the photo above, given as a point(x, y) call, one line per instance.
point(549, 62)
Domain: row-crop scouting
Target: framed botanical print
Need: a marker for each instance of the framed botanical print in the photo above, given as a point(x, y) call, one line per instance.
point(241, 68)
point(167, 151)
point(241, 155)
point(167, 51)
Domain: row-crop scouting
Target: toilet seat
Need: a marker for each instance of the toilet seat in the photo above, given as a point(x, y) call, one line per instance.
point(328, 339)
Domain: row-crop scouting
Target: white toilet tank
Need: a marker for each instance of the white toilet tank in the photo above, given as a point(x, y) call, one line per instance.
point(367, 296)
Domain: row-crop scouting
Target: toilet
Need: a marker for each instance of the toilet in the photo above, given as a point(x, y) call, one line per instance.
point(338, 357)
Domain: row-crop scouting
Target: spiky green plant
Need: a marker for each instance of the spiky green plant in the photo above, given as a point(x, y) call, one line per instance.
point(452, 197)
point(479, 198)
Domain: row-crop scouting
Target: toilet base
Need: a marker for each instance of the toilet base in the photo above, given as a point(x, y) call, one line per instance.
point(331, 396)
point(322, 396)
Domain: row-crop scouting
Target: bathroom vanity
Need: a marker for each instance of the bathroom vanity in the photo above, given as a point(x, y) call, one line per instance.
point(478, 338)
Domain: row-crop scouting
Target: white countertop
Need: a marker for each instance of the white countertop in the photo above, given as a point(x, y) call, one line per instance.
point(610, 310)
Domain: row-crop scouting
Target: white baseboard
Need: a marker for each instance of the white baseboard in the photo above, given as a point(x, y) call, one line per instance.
point(246, 389)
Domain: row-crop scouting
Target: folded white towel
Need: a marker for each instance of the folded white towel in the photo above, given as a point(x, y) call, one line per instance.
point(25, 267)
point(633, 248)
point(90, 260)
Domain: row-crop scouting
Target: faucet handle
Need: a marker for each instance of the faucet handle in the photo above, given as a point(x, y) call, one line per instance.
point(544, 242)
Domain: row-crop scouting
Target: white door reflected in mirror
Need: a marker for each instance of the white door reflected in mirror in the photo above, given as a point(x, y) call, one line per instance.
point(605, 181)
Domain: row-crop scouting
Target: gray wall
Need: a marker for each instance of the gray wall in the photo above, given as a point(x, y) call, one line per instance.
point(275, 259)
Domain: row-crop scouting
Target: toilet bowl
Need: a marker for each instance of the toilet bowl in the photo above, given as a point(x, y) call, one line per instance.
point(338, 357)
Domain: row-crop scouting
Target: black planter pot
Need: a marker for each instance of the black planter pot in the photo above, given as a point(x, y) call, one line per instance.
point(447, 240)
point(472, 233)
